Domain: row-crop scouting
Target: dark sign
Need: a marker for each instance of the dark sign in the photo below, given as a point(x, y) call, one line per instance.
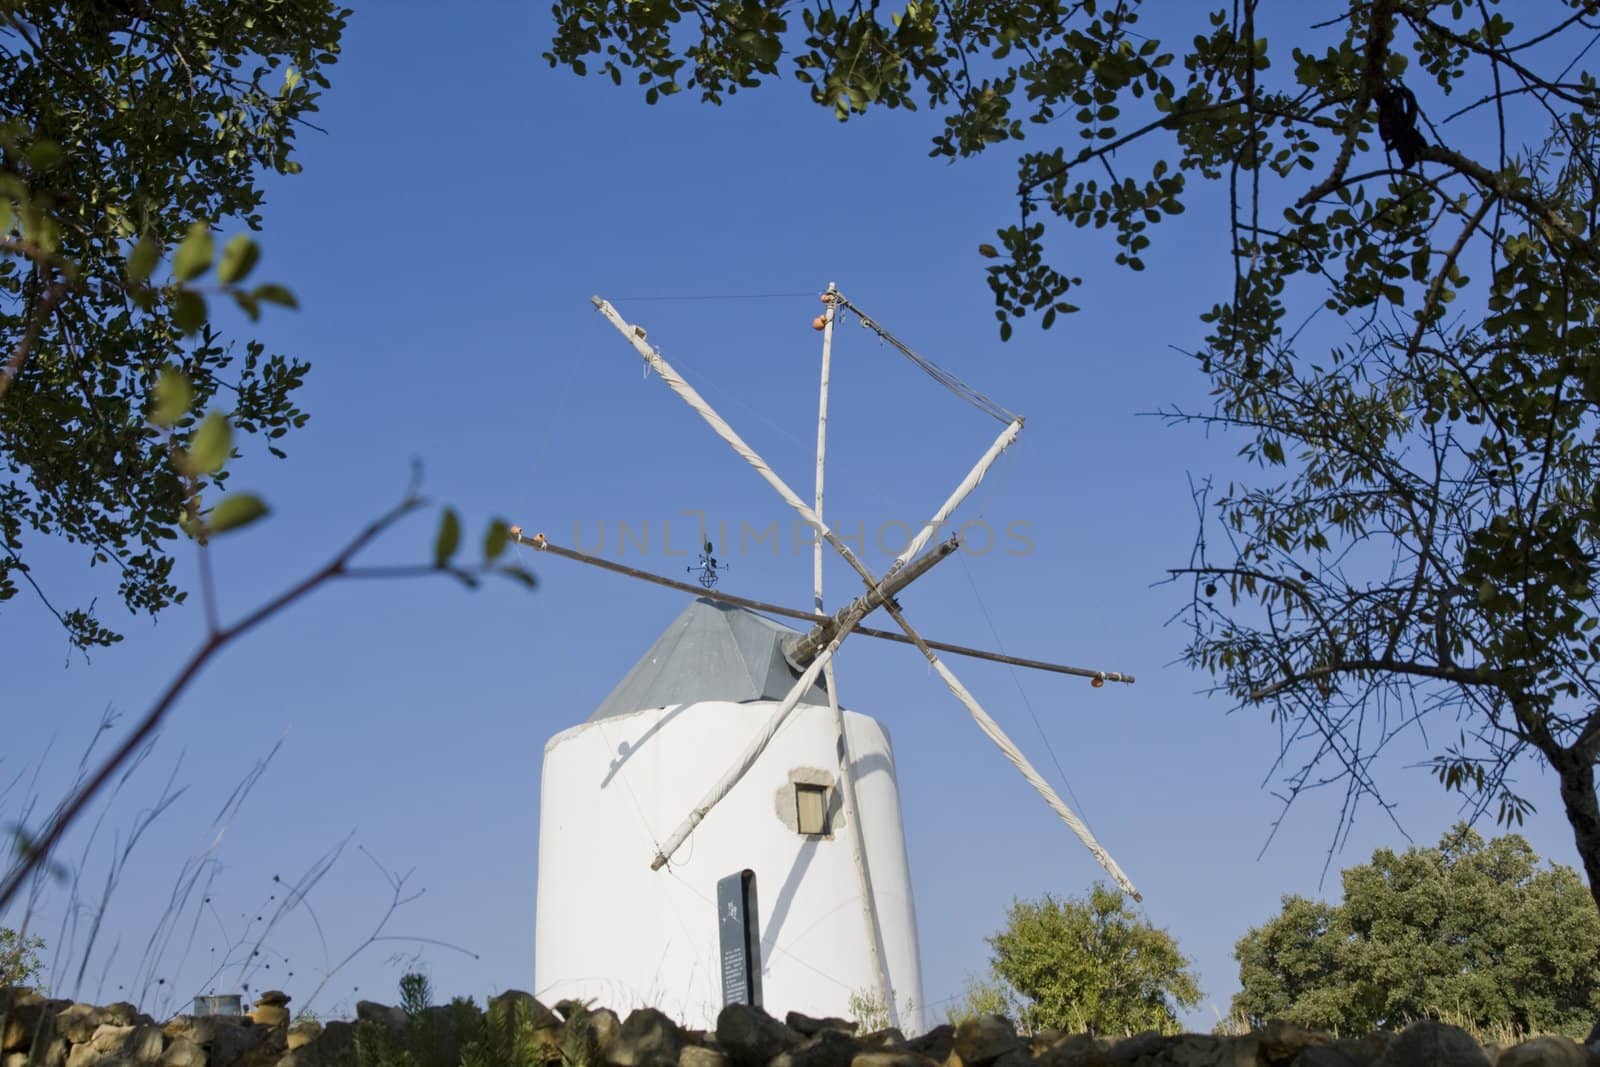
point(739, 936)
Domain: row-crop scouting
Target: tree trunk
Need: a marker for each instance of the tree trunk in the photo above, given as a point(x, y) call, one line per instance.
point(1583, 812)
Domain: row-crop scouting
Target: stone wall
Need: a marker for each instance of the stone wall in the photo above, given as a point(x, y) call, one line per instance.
point(35, 1030)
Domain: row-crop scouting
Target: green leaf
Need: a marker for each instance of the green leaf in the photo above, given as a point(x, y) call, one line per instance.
point(248, 304)
point(188, 311)
point(44, 155)
point(173, 395)
point(496, 539)
point(239, 258)
point(449, 538)
point(208, 448)
point(8, 213)
point(234, 511)
point(194, 255)
point(275, 294)
point(142, 260)
point(988, 251)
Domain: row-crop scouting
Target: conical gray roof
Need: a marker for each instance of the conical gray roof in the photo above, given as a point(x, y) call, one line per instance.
point(711, 652)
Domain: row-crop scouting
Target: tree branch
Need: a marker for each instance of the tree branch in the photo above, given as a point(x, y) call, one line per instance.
point(38, 849)
point(1476, 676)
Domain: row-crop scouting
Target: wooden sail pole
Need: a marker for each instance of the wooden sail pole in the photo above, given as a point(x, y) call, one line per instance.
point(968, 484)
point(822, 447)
point(540, 543)
point(676, 382)
point(847, 774)
point(882, 596)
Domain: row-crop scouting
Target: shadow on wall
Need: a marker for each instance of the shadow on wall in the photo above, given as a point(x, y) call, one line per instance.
point(626, 750)
point(785, 899)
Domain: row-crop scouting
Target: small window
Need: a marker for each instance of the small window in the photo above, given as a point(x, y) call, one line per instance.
point(811, 809)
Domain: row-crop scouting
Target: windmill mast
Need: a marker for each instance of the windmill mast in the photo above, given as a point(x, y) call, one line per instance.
point(635, 335)
point(847, 774)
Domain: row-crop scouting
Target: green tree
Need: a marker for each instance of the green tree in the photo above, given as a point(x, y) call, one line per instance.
point(130, 129)
point(19, 958)
point(1421, 537)
point(125, 122)
point(1084, 964)
point(1471, 928)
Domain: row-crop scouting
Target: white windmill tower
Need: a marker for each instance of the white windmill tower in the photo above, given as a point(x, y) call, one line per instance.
point(639, 905)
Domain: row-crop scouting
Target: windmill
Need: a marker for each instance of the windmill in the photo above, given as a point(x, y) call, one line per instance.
point(807, 801)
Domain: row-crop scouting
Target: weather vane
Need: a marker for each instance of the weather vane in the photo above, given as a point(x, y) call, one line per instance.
point(708, 566)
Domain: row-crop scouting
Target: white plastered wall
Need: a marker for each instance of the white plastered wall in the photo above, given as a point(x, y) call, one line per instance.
point(609, 928)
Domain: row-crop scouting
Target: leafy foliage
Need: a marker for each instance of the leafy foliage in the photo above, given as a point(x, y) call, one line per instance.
point(1421, 536)
point(19, 958)
point(1084, 964)
point(1478, 929)
point(432, 1036)
point(131, 129)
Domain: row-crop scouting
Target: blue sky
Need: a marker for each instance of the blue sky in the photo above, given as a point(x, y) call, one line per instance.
point(444, 240)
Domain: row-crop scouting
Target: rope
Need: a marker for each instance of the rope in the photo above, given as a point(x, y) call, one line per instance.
point(724, 296)
point(933, 370)
point(635, 336)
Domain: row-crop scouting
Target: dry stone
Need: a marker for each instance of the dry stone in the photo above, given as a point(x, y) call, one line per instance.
point(147, 1042)
point(829, 1048)
point(936, 1043)
point(806, 1026)
point(27, 1022)
point(889, 1039)
point(271, 1009)
point(524, 1007)
point(1327, 1056)
point(647, 1038)
point(605, 1026)
point(1366, 1049)
point(1282, 1041)
point(1554, 1051)
point(78, 1022)
point(1200, 1050)
point(1132, 1049)
point(569, 1007)
point(124, 1014)
point(16, 994)
point(120, 1045)
point(892, 1058)
point(14, 1059)
point(182, 1052)
point(751, 1037)
point(1071, 1050)
point(699, 1056)
point(1429, 1043)
point(302, 1033)
point(52, 1053)
point(983, 1039)
point(337, 1038)
point(226, 1038)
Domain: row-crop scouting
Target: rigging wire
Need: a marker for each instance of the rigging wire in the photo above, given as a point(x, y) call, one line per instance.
point(960, 388)
point(725, 296)
point(724, 395)
point(1038, 725)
